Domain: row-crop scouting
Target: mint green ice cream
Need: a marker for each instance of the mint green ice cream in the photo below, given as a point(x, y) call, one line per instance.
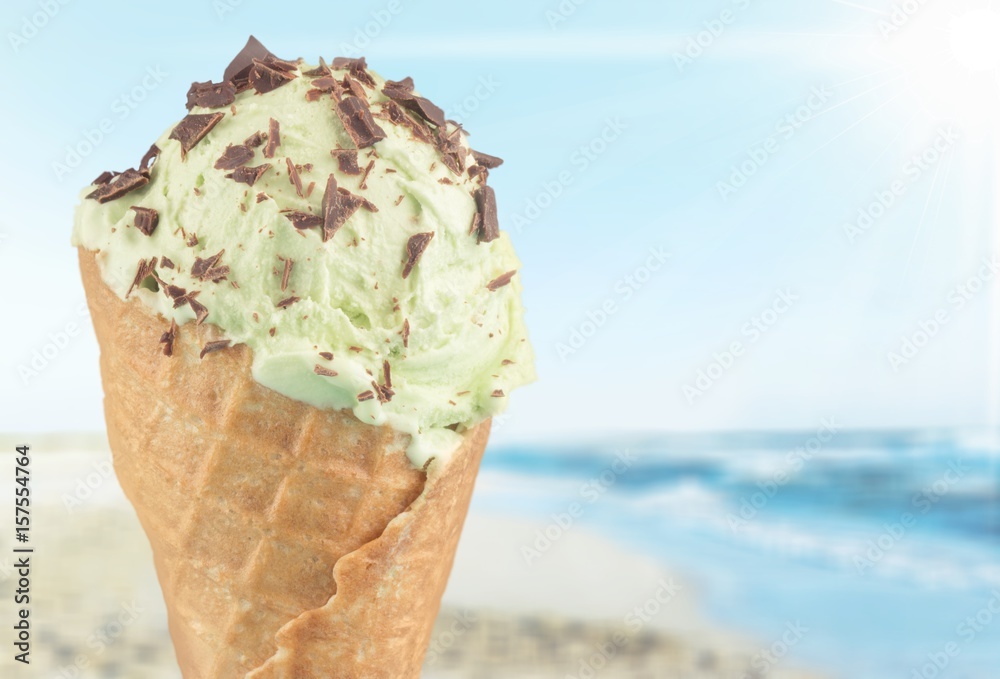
point(323, 303)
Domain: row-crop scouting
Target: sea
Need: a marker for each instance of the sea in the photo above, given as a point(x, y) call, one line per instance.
point(881, 548)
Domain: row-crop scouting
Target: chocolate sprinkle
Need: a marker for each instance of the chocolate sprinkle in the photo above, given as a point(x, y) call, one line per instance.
point(167, 339)
point(146, 219)
point(415, 247)
point(347, 161)
point(366, 396)
point(357, 120)
point(217, 345)
point(500, 281)
point(486, 160)
point(127, 181)
point(286, 274)
point(303, 220)
point(248, 175)
point(166, 263)
point(327, 355)
point(285, 303)
point(406, 332)
point(486, 200)
point(383, 392)
point(386, 374)
point(293, 176)
point(273, 138)
point(324, 372)
point(211, 95)
point(233, 157)
point(148, 160)
point(238, 71)
point(368, 171)
point(193, 128)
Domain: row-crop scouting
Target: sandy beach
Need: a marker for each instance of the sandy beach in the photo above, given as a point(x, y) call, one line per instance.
point(585, 608)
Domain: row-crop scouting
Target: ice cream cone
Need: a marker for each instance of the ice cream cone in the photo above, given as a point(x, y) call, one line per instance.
point(289, 541)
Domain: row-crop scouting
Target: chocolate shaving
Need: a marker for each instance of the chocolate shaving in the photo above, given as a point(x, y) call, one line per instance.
point(356, 350)
point(497, 393)
point(406, 332)
point(293, 177)
point(192, 240)
point(127, 181)
point(286, 274)
point(383, 392)
point(238, 71)
point(211, 95)
point(327, 355)
point(104, 178)
point(209, 270)
point(261, 197)
point(148, 160)
point(270, 74)
point(366, 396)
point(146, 219)
point(355, 88)
point(144, 270)
point(193, 128)
point(368, 171)
point(217, 345)
point(402, 92)
point(285, 303)
point(248, 175)
point(324, 372)
point(255, 139)
point(415, 247)
point(303, 220)
point(338, 206)
point(273, 138)
point(500, 281)
point(486, 200)
point(486, 160)
point(386, 374)
point(506, 361)
point(167, 339)
point(347, 161)
point(357, 120)
point(321, 70)
point(166, 263)
point(233, 157)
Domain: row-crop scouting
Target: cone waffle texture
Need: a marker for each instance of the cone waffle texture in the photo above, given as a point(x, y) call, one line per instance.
point(290, 542)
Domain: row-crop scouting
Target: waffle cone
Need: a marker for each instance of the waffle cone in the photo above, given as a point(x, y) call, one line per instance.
point(289, 541)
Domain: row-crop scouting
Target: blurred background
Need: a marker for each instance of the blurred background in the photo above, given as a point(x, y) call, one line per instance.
point(761, 259)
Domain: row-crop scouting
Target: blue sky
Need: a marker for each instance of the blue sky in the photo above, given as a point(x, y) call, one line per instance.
point(615, 148)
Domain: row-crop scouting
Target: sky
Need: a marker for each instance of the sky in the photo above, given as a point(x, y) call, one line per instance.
point(731, 214)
